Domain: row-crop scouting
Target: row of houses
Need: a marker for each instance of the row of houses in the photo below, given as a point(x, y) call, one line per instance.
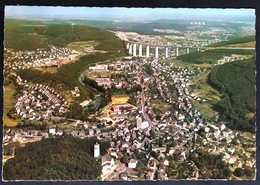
point(40, 102)
point(50, 57)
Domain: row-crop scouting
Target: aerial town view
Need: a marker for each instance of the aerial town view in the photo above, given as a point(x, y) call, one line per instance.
point(115, 94)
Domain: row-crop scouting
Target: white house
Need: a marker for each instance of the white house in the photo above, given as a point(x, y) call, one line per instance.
point(52, 130)
point(222, 127)
point(132, 163)
point(107, 163)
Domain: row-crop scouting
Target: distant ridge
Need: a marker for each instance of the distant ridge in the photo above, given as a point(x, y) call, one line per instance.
point(241, 40)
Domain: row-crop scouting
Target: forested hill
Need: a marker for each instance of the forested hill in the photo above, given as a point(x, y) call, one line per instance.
point(237, 81)
point(61, 158)
point(31, 35)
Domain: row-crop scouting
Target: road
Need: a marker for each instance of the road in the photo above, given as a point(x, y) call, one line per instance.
point(245, 48)
point(115, 172)
point(147, 117)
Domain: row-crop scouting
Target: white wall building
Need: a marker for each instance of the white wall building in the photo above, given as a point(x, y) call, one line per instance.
point(96, 150)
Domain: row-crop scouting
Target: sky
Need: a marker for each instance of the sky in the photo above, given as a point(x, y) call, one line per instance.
point(134, 14)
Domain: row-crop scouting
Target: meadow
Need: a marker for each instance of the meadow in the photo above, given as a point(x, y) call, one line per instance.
point(211, 56)
point(248, 41)
point(9, 101)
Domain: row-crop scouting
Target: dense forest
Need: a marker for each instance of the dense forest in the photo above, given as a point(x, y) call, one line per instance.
point(31, 35)
point(236, 80)
point(60, 158)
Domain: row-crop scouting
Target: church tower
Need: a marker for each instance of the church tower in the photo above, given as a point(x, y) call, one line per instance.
point(96, 150)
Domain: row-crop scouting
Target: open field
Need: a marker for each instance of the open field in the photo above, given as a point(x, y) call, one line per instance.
point(81, 46)
point(205, 91)
point(160, 105)
point(247, 44)
point(9, 122)
point(205, 109)
point(248, 41)
point(212, 97)
point(212, 56)
point(120, 98)
point(9, 102)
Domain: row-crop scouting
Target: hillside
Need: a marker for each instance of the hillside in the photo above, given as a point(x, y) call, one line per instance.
point(237, 81)
point(211, 56)
point(31, 35)
point(248, 41)
point(67, 76)
point(61, 158)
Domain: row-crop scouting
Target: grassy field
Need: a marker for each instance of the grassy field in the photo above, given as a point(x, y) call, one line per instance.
point(120, 98)
point(212, 56)
point(202, 76)
point(9, 102)
point(205, 109)
point(180, 63)
point(242, 42)
point(160, 105)
point(247, 44)
point(201, 88)
point(80, 46)
point(211, 96)
point(205, 91)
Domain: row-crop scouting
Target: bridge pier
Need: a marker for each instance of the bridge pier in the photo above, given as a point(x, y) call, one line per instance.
point(156, 52)
point(177, 52)
point(134, 50)
point(131, 49)
point(140, 50)
point(147, 51)
point(166, 51)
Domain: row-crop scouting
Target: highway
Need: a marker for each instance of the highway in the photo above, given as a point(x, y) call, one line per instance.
point(243, 48)
point(185, 47)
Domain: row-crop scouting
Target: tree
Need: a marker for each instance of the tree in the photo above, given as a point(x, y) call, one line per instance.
point(57, 158)
point(75, 110)
point(154, 154)
point(124, 159)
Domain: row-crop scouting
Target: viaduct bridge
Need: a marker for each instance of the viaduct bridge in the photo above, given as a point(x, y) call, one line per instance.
point(166, 50)
point(162, 50)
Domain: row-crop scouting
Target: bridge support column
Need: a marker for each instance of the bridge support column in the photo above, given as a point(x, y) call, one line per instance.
point(188, 50)
point(131, 48)
point(156, 52)
point(134, 50)
point(140, 50)
point(177, 52)
point(127, 45)
point(147, 51)
point(166, 50)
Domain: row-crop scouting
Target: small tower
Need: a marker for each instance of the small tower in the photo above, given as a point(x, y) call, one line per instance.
point(138, 122)
point(96, 150)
